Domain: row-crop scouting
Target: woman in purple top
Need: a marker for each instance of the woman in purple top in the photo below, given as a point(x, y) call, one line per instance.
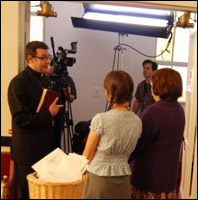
point(157, 154)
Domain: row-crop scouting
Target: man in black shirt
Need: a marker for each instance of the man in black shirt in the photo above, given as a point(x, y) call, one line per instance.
point(143, 93)
point(32, 132)
point(71, 88)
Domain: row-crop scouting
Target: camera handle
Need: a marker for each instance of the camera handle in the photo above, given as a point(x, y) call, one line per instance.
point(53, 48)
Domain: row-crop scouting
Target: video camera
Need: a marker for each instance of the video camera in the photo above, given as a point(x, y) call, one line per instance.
point(60, 60)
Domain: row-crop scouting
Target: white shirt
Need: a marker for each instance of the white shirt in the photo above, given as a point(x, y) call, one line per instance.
point(119, 132)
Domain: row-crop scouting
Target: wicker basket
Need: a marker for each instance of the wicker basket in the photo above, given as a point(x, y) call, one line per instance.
point(45, 190)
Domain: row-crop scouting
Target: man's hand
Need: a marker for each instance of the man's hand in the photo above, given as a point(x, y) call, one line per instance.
point(55, 108)
point(67, 93)
point(72, 98)
point(136, 106)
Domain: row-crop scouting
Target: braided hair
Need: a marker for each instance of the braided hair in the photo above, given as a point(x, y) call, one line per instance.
point(119, 86)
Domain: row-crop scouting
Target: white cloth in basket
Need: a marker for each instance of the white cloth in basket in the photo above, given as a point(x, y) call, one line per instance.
point(61, 168)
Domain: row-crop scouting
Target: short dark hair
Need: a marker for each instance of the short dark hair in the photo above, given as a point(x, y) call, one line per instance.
point(119, 85)
point(167, 84)
point(154, 64)
point(31, 48)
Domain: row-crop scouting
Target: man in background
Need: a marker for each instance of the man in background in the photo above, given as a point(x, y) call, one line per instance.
point(143, 93)
point(71, 88)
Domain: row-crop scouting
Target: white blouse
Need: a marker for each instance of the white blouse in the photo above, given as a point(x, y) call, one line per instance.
point(119, 132)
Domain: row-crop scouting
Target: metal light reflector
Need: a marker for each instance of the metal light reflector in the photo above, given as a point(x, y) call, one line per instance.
point(122, 9)
point(126, 19)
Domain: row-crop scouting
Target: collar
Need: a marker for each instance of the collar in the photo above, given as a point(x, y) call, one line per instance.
point(37, 74)
point(146, 82)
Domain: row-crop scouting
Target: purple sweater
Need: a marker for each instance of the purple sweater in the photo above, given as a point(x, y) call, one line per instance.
point(157, 153)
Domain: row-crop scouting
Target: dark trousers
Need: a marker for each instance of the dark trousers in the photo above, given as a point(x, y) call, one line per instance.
point(21, 181)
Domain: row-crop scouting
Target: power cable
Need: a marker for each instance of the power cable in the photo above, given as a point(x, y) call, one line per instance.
point(166, 49)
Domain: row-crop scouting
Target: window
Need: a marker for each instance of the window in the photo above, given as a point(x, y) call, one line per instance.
point(36, 22)
point(177, 57)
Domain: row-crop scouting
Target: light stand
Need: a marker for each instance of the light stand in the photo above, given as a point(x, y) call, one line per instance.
point(117, 62)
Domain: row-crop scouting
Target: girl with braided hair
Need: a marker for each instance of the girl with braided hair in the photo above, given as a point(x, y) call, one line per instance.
point(112, 138)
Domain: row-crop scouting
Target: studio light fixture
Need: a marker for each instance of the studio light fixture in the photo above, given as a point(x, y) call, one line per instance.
point(126, 20)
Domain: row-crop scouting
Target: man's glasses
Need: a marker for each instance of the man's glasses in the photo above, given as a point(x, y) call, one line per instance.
point(45, 58)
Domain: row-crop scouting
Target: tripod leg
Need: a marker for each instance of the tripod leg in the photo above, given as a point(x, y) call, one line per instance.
point(71, 120)
point(67, 135)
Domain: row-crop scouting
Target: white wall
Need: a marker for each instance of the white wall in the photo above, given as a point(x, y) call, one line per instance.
point(9, 56)
point(94, 58)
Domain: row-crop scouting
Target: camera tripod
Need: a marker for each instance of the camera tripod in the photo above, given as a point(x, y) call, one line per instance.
point(64, 120)
point(60, 83)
